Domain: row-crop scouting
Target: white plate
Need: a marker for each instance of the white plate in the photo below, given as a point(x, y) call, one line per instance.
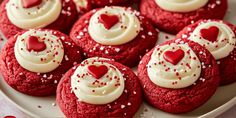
point(224, 98)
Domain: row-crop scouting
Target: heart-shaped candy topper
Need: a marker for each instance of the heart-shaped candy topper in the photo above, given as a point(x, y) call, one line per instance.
point(174, 57)
point(34, 44)
point(30, 3)
point(108, 20)
point(210, 34)
point(97, 71)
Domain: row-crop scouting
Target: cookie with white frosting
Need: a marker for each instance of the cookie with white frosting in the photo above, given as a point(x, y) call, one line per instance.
point(99, 87)
point(34, 61)
point(173, 15)
point(178, 76)
point(18, 15)
point(114, 32)
point(219, 38)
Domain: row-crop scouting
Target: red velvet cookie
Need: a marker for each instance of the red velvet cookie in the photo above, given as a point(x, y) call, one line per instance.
point(178, 76)
point(219, 38)
point(16, 15)
point(34, 61)
point(114, 32)
point(173, 18)
point(99, 87)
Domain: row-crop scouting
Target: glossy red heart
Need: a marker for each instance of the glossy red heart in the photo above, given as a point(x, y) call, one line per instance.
point(30, 3)
point(34, 44)
point(97, 71)
point(108, 20)
point(174, 57)
point(210, 34)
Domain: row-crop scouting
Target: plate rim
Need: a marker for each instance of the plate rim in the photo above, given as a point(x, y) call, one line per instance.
point(213, 113)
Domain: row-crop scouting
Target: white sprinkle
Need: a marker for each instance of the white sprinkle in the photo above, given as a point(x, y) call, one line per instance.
point(129, 104)
point(122, 106)
point(78, 37)
point(143, 36)
point(106, 52)
point(144, 86)
point(109, 106)
point(50, 77)
point(63, 38)
point(74, 68)
point(117, 49)
point(150, 33)
point(55, 81)
point(44, 76)
point(54, 104)
point(66, 58)
point(81, 33)
point(102, 48)
point(192, 22)
point(184, 36)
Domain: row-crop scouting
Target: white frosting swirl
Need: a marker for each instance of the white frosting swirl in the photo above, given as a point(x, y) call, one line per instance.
point(165, 74)
point(97, 91)
point(124, 31)
point(181, 5)
point(43, 61)
point(224, 44)
point(36, 17)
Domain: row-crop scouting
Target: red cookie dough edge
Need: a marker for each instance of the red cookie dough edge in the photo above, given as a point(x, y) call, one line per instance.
point(129, 54)
point(71, 107)
point(186, 99)
point(32, 83)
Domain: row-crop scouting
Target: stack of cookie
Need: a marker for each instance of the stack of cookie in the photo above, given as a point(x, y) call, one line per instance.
point(82, 51)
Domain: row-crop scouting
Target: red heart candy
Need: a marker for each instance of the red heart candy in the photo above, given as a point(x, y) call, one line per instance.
point(174, 57)
point(210, 34)
point(108, 21)
point(30, 3)
point(34, 44)
point(97, 71)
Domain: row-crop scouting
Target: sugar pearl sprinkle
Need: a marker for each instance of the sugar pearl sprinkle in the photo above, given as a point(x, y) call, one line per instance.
point(66, 9)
